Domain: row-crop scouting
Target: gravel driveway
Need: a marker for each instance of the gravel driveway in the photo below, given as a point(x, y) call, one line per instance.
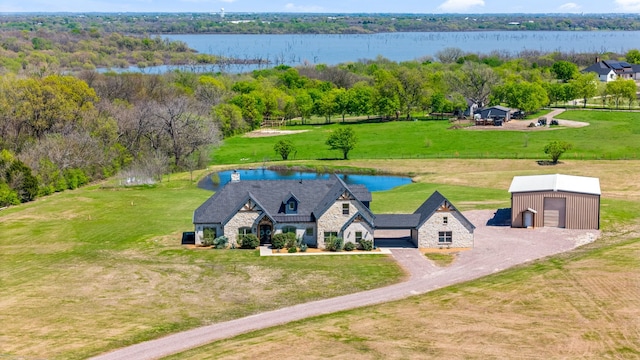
point(496, 249)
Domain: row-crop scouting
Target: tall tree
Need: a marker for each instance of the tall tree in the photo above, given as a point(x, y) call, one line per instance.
point(565, 70)
point(475, 82)
point(586, 86)
point(343, 139)
point(621, 89)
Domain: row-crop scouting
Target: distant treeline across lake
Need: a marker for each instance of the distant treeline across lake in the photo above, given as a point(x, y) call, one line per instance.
point(300, 49)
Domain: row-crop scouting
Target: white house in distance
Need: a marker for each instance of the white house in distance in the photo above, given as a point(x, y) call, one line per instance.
point(610, 70)
point(318, 209)
point(562, 201)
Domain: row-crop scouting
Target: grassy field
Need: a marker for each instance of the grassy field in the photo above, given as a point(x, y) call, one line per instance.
point(98, 268)
point(85, 271)
point(611, 135)
point(582, 304)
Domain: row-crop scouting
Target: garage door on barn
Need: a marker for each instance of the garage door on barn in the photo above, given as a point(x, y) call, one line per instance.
point(555, 210)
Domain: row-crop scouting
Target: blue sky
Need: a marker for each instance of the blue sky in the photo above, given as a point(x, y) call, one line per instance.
point(330, 6)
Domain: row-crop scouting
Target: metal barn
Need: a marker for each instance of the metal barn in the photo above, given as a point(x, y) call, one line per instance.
point(562, 201)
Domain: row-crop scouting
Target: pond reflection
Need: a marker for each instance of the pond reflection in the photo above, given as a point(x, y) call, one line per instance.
point(217, 180)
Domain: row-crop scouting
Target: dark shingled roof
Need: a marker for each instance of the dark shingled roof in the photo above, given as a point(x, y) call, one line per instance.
point(432, 204)
point(314, 197)
point(397, 221)
point(619, 67)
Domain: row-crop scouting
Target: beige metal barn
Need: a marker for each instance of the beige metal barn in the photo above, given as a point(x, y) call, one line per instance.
point(563, 201)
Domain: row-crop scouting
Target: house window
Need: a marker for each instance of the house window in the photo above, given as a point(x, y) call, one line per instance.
point(330, 235)
point(289, 229)
point(345, 209)
point(309, 231)
point(244, 231)
point(445, 220)
point(445, 237)
point(358, 236)
point(292, 205)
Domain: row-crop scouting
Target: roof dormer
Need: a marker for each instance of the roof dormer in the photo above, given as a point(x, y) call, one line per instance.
point(290, 203)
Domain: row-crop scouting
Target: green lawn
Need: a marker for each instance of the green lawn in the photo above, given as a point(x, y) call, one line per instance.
point(611, 135)
point(94, 269)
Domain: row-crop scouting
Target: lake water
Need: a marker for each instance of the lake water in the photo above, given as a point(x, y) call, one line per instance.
point(300, 49)
point(372, 182)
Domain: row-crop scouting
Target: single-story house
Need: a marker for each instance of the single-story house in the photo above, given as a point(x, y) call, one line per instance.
point(495, 113)
point(318, 209)
point(610, 70)
point(562, 201)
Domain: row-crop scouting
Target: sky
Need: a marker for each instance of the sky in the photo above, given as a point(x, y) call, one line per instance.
point(325, 6)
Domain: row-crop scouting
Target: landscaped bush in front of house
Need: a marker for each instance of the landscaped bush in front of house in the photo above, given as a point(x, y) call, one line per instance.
point(292, 241)
point(303, 247)
point(220, 242)
point(249, 241)
point(366, 245)
point(292, 250)
point(278, 241)
point(334, 244)
point(349, 246)
point(208, 235)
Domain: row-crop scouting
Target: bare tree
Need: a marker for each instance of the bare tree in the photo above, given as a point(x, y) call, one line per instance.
point(475, 81)
point(185, 127)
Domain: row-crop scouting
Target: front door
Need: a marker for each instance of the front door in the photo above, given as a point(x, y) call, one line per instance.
point(265, 234)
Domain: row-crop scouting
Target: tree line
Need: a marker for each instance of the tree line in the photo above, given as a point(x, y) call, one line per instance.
point(296, 23)
point(61, 130)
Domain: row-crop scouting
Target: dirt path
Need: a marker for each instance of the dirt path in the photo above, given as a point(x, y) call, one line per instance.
point(496, 249)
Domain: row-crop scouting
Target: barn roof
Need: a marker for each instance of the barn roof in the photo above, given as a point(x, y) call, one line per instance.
point(555, 182)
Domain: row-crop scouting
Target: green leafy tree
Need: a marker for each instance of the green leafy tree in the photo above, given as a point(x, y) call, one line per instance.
point(586, 86)
point(556, 148)
point(621, 89)
point(633, 56)
point(565, 70)
point(343, 139)
point(524, 95)
point(284, 148)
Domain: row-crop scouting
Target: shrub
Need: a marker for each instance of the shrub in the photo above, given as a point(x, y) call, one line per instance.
point(220, 242)
point(366, 245)
point(249, 241)
point(334, 244)
point(291, 240)
point(278, 241)
point(303, 247)
point(208, 235)
point(349, 246)
point(292, 250)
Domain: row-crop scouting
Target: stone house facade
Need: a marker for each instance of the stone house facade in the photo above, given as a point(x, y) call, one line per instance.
point(316, 210)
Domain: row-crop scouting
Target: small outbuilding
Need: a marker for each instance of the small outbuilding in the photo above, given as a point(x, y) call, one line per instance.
point(496, 113)
point(562, 201)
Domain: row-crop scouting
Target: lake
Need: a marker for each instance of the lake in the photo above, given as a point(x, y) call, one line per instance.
point(301, 49)
point(372, 182)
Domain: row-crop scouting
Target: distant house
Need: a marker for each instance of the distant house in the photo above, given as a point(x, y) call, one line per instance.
point(610, 70)
point(316, 210)
point(562, 201)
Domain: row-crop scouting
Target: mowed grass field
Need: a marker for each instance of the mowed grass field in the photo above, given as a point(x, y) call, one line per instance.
point(610, 135)
point(579, 305)
point(86, 271)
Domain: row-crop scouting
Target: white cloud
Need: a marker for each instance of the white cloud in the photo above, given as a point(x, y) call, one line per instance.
point(459, 5)
point(569, 7)
point(291, 7)
point(628, 5)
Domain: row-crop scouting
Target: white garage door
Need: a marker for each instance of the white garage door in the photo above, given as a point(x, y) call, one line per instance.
point(555, 210)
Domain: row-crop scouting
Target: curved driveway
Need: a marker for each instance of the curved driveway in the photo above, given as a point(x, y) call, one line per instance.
point(496, 248)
